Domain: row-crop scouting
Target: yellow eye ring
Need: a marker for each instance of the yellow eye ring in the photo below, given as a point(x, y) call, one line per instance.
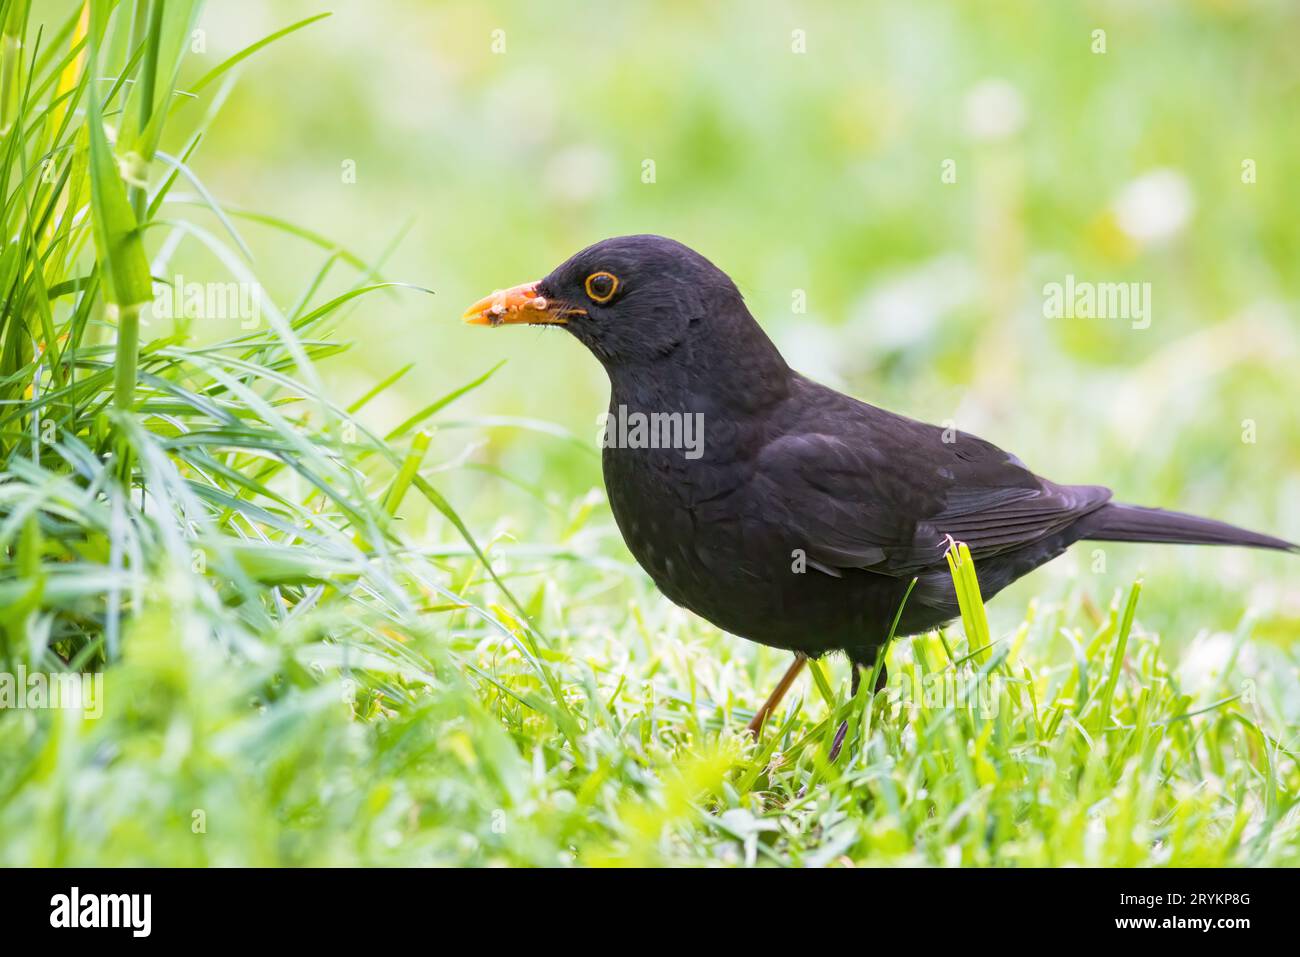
point(597, 284)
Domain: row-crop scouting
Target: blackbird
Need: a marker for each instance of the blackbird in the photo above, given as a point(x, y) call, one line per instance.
point(779, 509)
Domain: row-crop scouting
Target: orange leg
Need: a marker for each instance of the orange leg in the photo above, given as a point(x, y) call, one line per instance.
point(777, 694)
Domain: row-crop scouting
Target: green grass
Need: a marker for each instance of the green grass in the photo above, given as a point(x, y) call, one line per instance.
point(309, 657)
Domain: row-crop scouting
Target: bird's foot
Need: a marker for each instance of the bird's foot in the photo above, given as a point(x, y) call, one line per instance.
point(840, 734)
point(858, 670)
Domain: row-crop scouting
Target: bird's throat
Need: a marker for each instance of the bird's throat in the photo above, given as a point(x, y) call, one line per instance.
point(712, 372)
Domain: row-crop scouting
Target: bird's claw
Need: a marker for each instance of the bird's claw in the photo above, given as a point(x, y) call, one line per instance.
point(840, 734)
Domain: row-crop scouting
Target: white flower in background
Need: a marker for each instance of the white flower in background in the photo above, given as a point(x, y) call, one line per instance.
point(1207, 656)
point(909, 307)
point(578, 174)
point(994, 110)
point(815, 349)
point(519, 111)
point(1155, 206)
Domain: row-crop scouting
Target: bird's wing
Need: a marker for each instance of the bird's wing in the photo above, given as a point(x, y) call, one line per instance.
point(887, 492)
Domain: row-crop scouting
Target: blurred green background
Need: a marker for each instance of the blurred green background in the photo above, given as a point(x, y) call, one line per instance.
point(892, 186)
point(509, 135)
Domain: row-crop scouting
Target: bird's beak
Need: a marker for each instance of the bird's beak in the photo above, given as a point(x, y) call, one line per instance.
point(518, 304)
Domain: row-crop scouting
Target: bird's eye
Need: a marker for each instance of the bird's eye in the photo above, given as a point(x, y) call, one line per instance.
point(601, 286)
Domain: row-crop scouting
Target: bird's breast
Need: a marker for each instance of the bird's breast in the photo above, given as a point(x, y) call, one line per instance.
point(655, 497)
point(710, 547)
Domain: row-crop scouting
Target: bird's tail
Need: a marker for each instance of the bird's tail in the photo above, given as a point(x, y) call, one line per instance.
point(1117, 522)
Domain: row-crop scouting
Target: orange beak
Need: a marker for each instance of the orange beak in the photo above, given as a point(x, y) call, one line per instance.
point(518, 304)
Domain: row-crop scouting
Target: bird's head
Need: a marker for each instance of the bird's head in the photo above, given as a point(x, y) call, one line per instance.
point(631, 300)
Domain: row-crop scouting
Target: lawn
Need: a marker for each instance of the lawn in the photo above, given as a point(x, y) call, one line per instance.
point(348, 580)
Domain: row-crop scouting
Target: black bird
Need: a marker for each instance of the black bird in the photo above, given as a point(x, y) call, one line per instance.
point(802, 515)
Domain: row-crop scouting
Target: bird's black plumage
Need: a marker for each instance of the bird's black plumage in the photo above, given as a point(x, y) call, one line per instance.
point(806, 513)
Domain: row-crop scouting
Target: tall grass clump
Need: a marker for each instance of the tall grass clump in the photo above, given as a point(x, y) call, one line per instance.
point(195, 517)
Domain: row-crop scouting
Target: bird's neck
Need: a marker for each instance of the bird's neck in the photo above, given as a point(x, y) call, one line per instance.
point(732, 369)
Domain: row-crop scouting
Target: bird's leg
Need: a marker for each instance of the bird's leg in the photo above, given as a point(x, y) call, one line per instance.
point(842, 731)
point(774, 699)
